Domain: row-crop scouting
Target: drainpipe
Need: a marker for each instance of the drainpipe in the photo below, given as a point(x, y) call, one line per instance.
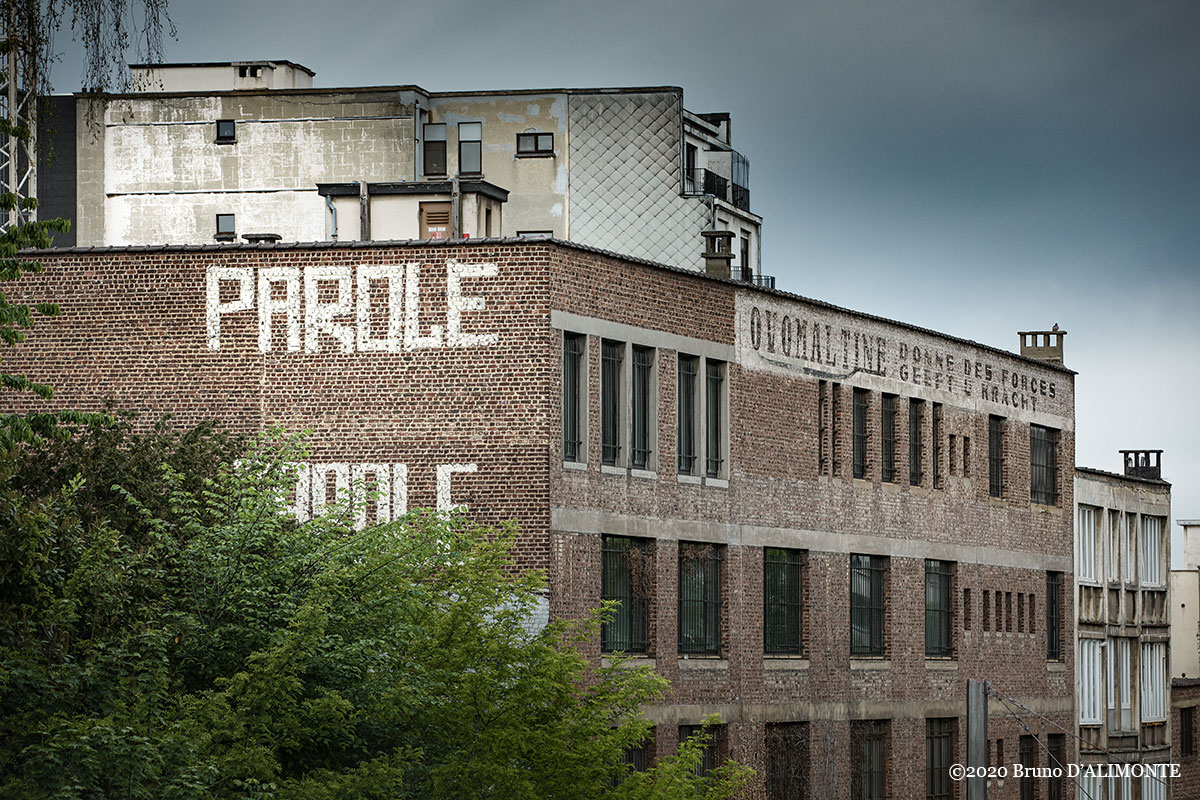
point(332, 213)
point(364, 212)
point(455, 209)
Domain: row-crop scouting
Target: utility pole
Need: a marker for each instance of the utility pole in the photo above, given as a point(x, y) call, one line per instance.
point(18, 144)
point(977, 738)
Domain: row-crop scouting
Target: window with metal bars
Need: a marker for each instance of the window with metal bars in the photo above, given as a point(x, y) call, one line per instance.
point(867, 605)
point(572, 399)
point(1054, 616)
point(937, 445)
point(1187, 731)
point(1043, 465)
point(869, 746)
point(612, 357)
point(822, 427)
point(1027, 749)
point(787, 761)
point(835, 428)
point(860, 433)
point(710, 755)
point(939, 756)
point(689, 367)
point(996, 456)
point(887, 438)
point(714, 417)
point(916, 441)
point(939, 615)
point(626, 573)
point(1056, 758)
point(636, 758)
point(642, 423)
point(699, 599)
point(783, 601)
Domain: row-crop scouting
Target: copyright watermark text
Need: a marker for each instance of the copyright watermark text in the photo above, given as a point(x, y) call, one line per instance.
point(960, 772)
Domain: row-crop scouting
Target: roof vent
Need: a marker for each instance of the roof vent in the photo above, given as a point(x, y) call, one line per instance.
point(1143, 463)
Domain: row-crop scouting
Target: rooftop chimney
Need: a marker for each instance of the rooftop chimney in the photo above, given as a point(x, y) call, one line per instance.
point(1043, 345)
point(718, 252)
point(1143, 463)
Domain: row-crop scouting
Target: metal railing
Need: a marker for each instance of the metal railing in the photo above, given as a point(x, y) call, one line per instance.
point(748, 275)
point(703, 181)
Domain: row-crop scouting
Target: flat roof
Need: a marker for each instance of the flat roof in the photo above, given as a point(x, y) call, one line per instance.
point(255, 62)
point(1123, 477)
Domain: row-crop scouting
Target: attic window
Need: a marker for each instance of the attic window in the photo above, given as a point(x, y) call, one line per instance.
point(226, 131)
point(535, 144)
point(225, 227)
point(249, 72)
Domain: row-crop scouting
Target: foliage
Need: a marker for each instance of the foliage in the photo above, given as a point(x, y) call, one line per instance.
point(180, 636)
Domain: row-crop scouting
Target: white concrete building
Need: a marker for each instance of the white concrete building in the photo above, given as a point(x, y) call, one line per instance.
point(211, 152)
point(1185, 605)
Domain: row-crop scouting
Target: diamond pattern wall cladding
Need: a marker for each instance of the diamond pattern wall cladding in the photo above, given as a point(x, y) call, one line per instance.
point(625, 179)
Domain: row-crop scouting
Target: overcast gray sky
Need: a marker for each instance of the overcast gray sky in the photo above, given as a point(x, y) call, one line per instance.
point(977, 168)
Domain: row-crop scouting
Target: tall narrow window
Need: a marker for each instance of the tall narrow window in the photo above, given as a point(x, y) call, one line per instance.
point(1120, 684)
point(916, 441)
point(714, 417)
point(1153, 674)
point(1054, 616)
point(783, 601)
point(1130, 547)
point(835, 428)
point(966, 609)
point(787, 761)
point(434, 149)
point(1043, 465)
point(1056, 760)
point(996, 456)
point(625, 578)
point(699, 599)
point(1114, 546)
point(939, 756)
point(868, 755)
point(710, 756)
point(887, 438)
point(572, 406)
point(937, 445)
point(470, 148)
point(987, 610)
point(686, 430)
point(822, 427)
point(867, 605)
point(642, 424)
point(1027, 751)
point(612, 355)
point(966, 456)
point(1152, 557)
point(1085, 540)
point(939, 616)
point(1091, 682)
point(1187, 731)
point(860, 433)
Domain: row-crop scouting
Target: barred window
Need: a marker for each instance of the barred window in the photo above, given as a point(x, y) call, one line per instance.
point(626, 575)
point(823, 428)
point(714, 417)
point(866, 605)
point(1054, 616)
point(783, 601)
point(572, 400)
point(939, 755)
point(642, 423)
point(939, 642)
point(887, 438)
point(787, 761)
point(612, 355)
point(1187, 731)
point(710, 755)
point(686, 430)
point(860, 433)
point(699, 599)
point(869, 746)
point(1027, 751)
point(1043, 465)
point(937, 445)
point(996, 456)
point(1057, 757)
point(916, 441)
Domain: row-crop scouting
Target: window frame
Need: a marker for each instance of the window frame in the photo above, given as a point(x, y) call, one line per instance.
point(1054, 603)
point(787, 760)
point(228, 136)
point(1187, 732)
point(1152, 574)
point(431, 146)
point(1086, 543)
point(1027, 752)
point(940, 735)
point(705, 557)
point(1092, 682)
point(996, 456)
point(464, 143)
point(643, 387)
point(716, 419)
point(230, 234)
point(783, 616)
point(887, 438)
point(916, 441)
point(861, 440)
point(687, 408)
point(537, 150)
point(574, 401)
point(870, 610)
point(612, 401)
point(869, 757)
point(939, 622)
point(1043, 465)
point(636, 556)
point(1153, 683)
point(936, 425)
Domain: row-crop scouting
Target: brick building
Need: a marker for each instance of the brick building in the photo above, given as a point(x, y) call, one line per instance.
point(819, 523)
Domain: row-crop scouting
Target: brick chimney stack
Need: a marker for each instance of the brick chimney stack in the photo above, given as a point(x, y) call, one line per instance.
point(1143, 463)
point(1043, 345)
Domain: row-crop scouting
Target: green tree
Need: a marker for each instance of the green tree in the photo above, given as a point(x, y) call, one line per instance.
point(207, 645)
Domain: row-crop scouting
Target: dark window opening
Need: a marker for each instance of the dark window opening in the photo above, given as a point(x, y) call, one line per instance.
point(714, 417)
point(867, 605)
point(868, 743)
point(887, 438)
point(470, 148)
point(626, 575)
point(939, 615)
point(1187, 731)
point(916, 441)
point(709, 757)
point(996, 456)
point(699, 599)
point(612, 355)
point(939, 756)
point(1043, 465)
point(860, 433)
point(1054, 616)
point(643, 397)
point(787, 761)
point(535, 144)
point(783, 601)
point(1056, 744)
point(572, 405)
point(937, 445)
point(1027, 751)
point(686, 397)
point(226, 131)
point(434, 149)
point(226, 228)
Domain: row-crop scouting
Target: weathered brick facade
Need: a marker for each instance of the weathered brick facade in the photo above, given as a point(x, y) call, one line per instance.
point(486, 413)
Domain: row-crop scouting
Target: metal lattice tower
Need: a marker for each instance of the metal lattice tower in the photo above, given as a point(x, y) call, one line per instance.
point(18, 110)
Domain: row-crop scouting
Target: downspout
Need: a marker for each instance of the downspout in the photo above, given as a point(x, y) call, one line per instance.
point(332, 213)
point(455, 209)
point(364, 212)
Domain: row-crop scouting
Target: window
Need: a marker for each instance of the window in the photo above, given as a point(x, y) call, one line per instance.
point(1043, 465)
point(1130, 546)
point(1154, 788)
point(1027, 752)
point(987, 610)
point(1085, 540)
point(470, 148)
point(709, 757)
point(937, 445)
point(535, 144)
point(916, 441)
point(225, 227)
point(1114, 545)
point(638, 757)
point(714, 417)
point(744, 255)
point(1152, 559)
point(642, 423)
point(1020, 612)
point(869, 746)
point(783, 601)
point(1089, 787)
point(1120, 684)
point(887, 438)
point(699, 599)
point(939, 642)
point(1187, 731)
point(966, 456)
point(860, 433)
point(966, 609)
point(939, 755)
point(573, 394)
point(787, 761)
point(866, 605)
point(686, 431)
point(625, 575)
point(1153, 675)
point(823, 422)
point(226, 131)
point(612, 356)
point(996, 456)
point(434, 151)
point(1056, 759)
point(952, 452)
point(1053, 616)
point(535, 234)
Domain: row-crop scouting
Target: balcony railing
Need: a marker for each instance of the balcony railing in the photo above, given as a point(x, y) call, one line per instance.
point(748, 276)
point(703, 181)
